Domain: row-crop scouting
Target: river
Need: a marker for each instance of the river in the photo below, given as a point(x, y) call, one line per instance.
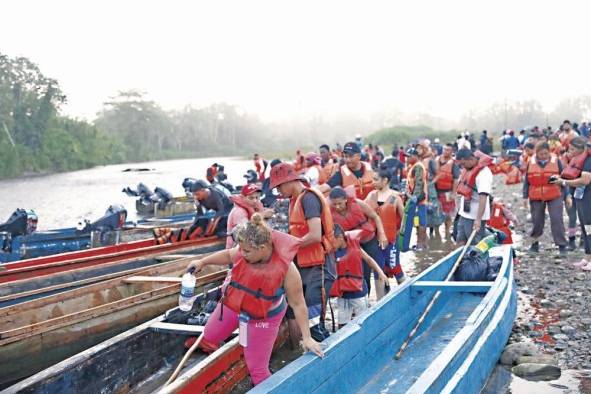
point(64, 199)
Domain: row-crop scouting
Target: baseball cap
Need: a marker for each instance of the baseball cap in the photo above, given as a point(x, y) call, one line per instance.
point(351, 147)
point(250, 188)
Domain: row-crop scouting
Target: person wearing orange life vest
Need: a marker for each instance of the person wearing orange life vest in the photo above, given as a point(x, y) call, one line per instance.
point(417, 189)
point(329, 163)
point(446, 183)
point(354, 214)
point(354, 173)
point(211, 173)
point(567, 134)
point(543, 195)
point(262, 281)
point(260, 166)
point(573, 160)
point(246, 204)
point(388, 205)
point(310, 219)
point(299, 162)
point(350, 287)
point(474, 189)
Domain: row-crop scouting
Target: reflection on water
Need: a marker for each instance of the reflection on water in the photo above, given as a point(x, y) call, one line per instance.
point(63, 200)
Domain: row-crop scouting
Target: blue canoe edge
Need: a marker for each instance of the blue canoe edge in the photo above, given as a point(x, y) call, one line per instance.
point(455, 350)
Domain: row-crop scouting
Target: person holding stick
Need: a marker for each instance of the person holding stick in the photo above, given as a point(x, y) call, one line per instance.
point(254, 295)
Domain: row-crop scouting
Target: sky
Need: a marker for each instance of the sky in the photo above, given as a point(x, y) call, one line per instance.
point(285, 59)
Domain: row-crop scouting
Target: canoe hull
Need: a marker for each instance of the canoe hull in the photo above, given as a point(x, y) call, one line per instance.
point(359, 357)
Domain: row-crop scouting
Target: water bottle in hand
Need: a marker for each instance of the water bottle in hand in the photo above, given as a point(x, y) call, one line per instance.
point(187, 291)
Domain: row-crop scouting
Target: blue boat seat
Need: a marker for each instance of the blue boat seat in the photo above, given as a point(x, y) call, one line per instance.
point(449, 286)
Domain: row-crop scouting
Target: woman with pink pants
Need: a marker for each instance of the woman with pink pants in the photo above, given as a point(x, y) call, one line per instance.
point(262, 274)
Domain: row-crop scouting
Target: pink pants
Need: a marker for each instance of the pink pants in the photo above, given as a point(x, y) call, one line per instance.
point(260, 340)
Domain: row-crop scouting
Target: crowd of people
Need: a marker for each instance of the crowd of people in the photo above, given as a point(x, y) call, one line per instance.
point(345, 210)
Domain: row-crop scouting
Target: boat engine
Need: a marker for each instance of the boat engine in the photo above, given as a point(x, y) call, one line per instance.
point(107, 227)
point(161, 197)
point(21, 222)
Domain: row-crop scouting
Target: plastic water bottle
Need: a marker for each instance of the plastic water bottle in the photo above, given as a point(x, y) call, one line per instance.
point(486, 243)
point(187, 291)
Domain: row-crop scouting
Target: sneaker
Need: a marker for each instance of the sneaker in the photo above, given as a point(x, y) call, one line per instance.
point(535, 247)
point(562, 250)
point(572, 244)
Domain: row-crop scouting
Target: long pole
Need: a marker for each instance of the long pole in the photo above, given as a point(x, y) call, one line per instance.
point(434, 299)
point(183, 361)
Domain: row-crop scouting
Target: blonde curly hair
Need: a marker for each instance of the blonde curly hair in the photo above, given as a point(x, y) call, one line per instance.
point(254, 232)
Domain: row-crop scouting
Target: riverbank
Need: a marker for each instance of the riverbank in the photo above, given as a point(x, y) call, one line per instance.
point(554, 315)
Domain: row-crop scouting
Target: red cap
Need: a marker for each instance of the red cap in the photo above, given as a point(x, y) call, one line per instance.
point(283, 173)
point(250, 188)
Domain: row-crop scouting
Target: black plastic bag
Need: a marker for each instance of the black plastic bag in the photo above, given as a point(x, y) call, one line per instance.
point(474, 266)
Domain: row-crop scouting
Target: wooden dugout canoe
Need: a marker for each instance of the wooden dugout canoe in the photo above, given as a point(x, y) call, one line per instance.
point(39, 333)
point(20, 284)
point(140, 360)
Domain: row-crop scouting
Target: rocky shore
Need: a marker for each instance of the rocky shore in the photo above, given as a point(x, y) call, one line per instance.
point(553, 329)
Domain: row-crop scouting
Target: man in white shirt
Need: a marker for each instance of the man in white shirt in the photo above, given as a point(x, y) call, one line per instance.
point(474, 207)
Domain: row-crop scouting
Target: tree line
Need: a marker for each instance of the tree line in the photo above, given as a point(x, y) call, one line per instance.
point(35, 137)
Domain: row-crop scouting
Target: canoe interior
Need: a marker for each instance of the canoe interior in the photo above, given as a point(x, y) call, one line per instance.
point(137, 361)
point(40, 333)
point(360, 357)
point(16, 292)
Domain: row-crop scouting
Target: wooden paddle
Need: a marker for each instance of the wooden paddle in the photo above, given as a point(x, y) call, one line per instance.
point(183, 361)
point(434, 299)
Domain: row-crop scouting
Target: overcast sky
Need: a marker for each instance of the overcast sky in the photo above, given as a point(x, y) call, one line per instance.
point(281, 59)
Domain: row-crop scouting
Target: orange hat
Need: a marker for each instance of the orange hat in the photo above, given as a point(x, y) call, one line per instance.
point(283, 173)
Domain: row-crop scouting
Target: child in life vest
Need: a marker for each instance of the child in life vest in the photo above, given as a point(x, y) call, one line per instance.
point(350, 286)
point(500, 219)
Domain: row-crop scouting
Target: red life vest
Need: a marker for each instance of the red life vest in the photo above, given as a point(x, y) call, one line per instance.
point(349, 268)
point(467, 182)
point(254, 288)
point(355, 219)
point(575, 166)
point(538, 179)
point(260, 169)
point(363, 185)
point(388, 215)
point(411, 181)
point(314, 254)
point(499, 221)
point(445, 182)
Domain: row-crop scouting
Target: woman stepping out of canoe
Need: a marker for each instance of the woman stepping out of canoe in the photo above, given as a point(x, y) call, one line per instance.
point(254, 295)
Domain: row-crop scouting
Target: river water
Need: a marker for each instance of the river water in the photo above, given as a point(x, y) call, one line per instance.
point(64, 199)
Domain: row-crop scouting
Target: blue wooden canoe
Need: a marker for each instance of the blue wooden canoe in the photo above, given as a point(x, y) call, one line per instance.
point(454, 351)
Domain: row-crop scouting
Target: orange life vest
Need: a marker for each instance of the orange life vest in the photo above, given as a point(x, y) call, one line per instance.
point(513, 176)
point(388, 215)
point(355, 219)
point(363, 185)
point(525, 158)
point(538, 178)
point(467, 182)
point(299, 162)
point(326, 172)
point(445, 182)
point(411, 181)
point(260, 169)
point(499, 221)
point(349, 267)
point(254, 288)
point(211, 173)
point(575, 166)
point(565, 139)
point(313, 254)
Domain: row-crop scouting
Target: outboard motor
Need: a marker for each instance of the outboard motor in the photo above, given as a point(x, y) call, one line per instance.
point(162, 197)
point(141, 191)
point(21, 222)
point(108, 225)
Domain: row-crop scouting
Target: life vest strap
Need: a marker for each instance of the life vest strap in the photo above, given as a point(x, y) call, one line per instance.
point(257, 294)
